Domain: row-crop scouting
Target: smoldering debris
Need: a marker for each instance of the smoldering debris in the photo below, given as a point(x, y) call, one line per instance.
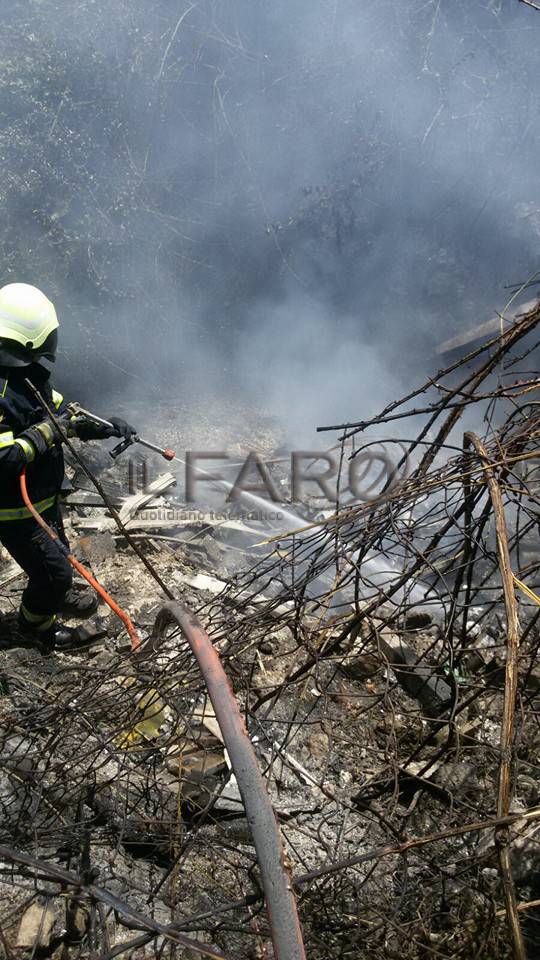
point(397, 738)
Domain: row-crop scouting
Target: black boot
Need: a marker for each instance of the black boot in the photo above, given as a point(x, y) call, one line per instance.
point(79, 604)
point(58, 637)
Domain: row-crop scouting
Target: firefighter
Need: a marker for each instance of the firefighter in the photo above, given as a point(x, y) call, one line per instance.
point(28, 337)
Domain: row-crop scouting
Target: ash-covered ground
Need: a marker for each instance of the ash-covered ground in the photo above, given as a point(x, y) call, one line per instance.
point(369, 657)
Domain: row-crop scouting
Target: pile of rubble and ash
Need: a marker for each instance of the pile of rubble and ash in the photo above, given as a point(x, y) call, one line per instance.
point(372, 658)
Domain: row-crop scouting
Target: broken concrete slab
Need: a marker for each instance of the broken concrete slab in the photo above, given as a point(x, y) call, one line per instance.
point(96, 548)
point(10, 571)
point(204, 762)
point(201, 581)
point(137, 501)
point(35, 928)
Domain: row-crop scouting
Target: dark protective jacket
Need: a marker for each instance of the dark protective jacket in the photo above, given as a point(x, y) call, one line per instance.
point(19, 410)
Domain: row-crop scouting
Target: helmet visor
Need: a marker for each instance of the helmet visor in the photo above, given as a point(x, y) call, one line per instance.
point(48, 348)
point(12, 354)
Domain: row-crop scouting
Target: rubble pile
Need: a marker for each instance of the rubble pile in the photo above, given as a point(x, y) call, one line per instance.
point(385, 660)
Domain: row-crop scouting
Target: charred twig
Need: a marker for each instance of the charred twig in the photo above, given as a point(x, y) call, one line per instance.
point(510, 692)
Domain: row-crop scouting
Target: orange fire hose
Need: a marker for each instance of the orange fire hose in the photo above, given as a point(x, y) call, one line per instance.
point(135, 641)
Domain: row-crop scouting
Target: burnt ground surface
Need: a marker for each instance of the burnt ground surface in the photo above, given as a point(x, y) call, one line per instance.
point(115, 768)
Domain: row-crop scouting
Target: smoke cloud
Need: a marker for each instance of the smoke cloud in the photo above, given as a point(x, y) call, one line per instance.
point(293, 201)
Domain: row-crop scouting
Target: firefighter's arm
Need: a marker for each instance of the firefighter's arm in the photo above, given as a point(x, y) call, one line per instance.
point(13, 456)
point(19, 449)
point(16, 450)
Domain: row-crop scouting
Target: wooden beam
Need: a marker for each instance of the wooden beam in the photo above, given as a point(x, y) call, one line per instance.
point(485, 329)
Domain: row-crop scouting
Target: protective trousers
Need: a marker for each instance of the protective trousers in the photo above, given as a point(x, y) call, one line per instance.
point(42, 559)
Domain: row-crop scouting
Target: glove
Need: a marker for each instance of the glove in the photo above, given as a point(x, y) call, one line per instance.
point(42, 437)
point(87, 430)
point(122, 429)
